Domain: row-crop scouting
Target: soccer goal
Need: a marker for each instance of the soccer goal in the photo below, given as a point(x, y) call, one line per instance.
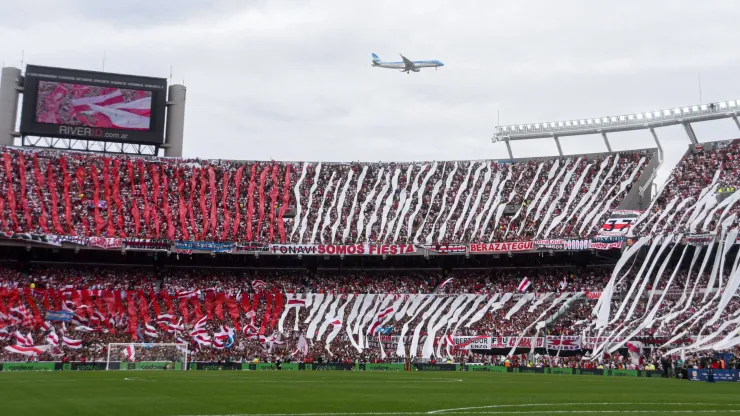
point(150, 356)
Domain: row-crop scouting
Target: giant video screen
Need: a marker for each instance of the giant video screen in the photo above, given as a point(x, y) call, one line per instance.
point(70, 103)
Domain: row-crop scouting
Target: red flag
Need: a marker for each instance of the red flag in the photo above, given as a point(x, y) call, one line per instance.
point(250, 203)
point(212, 185)
point(227, 216)
point(181, 210)
point(67, 202)
point(39, 193)
point(263, 177)
point(233, 312)
point(286, 202)
point(24, 195)
point(133, 321)
point(220, 299)
point(237, 203)
point(8, 161)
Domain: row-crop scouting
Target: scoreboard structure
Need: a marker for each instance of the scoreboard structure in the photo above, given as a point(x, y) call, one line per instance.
point(71, 109)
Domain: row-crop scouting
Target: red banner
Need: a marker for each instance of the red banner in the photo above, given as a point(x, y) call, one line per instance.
point(203, 209)
point(250, 202)
point(224, 207)
point(99, 223)
point(155, 201)
point(54, 199)
point(233, 312)
point(273, 201)
point(181, 209)
point(8, 161)
point(117, 197)
point(166, 203)
point(24, 196)
point(237, 202)
point(80, 176)
point(39, 194)
point(606, 246)
point(110, 231)
point(263, 178)
point(143, 307)
point(286, 202)
point(132, 201)
point(212, 186)
point(501, 247)
point(143, 188)
point(133, 320)
point(219, 310)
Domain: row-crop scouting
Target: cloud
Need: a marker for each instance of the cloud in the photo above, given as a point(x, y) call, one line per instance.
point(292, 80)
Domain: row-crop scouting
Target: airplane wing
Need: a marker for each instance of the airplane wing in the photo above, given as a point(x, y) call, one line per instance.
point(409, 65)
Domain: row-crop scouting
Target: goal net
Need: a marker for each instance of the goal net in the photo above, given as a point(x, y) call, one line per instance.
point(150, 356)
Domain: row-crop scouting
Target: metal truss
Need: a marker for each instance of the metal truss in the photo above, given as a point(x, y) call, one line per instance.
point(85, 145)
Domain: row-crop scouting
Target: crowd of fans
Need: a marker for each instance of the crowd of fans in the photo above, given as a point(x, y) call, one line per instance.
point(557, 303)
point(76, 194)
point(698, 196)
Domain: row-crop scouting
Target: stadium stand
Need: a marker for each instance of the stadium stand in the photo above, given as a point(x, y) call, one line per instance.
point(670, 294)
point(75, 194)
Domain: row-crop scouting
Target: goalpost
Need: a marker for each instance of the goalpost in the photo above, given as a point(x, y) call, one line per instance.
point(147, 356)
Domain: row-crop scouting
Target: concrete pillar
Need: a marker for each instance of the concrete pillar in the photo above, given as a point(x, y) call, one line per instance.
point(175, 121)
point(10, 80)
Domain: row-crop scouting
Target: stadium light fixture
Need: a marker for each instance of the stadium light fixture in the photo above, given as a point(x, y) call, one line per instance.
point(599, 125)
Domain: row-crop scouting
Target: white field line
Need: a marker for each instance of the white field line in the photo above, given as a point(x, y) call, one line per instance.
point(465, 410)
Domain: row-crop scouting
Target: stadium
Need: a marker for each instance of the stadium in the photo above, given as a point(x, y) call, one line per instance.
point(134, 279)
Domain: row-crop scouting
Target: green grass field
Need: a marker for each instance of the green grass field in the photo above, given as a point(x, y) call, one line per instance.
point(305, 393)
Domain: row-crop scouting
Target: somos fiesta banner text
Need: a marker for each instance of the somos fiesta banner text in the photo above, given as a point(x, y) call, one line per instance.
point(353, 249)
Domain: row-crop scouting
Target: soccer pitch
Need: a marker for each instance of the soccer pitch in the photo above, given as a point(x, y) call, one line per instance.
point(351, 393)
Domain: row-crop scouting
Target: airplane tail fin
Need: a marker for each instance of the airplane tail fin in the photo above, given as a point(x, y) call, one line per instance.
point(375, 58)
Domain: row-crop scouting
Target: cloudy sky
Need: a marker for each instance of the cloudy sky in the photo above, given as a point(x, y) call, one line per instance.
point(291, 79)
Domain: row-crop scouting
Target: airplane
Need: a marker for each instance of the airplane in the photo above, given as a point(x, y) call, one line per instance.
point(407, 65)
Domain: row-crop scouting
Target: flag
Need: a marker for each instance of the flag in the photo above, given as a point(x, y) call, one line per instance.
point(203, 340)
point(83, 328)
point(23, 340)
point(379, 320)
point(73, 344)
point(52, 339)
point(563, 284)
point(175, 328)
point(259, 285)
point(164, 319)
point(4, 334)
point(218, 344)
point(28, 351)
point(130, 353)
point(20, 316)
point(635, 350)
point(110, 109)
point(188, 294)
point(150, 331)
point(301, 347)
point(443, 284)
point(61, 316)
point(524, 285)
point(296, 303)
